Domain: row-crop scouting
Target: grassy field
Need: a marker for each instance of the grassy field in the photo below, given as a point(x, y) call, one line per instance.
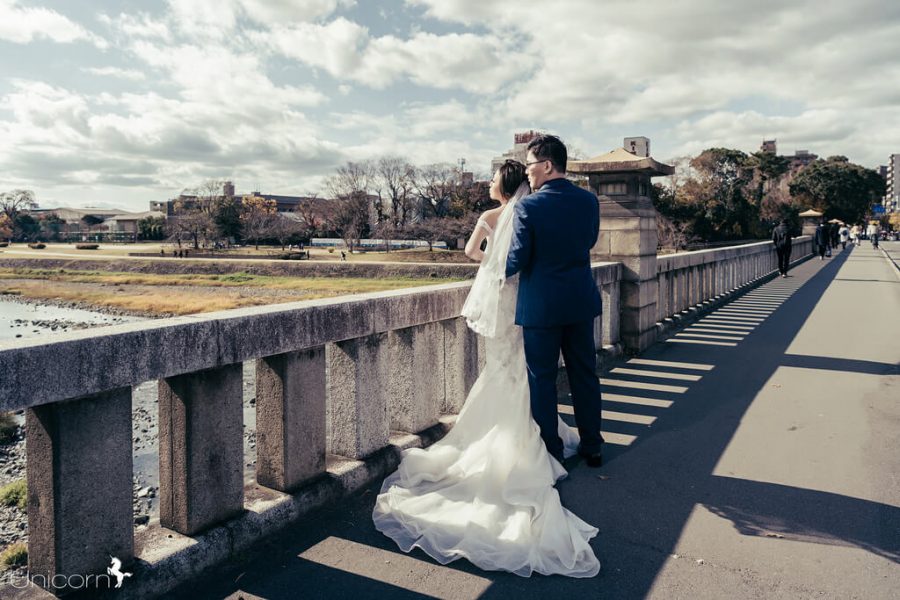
point(316, 254)
point(182, 294)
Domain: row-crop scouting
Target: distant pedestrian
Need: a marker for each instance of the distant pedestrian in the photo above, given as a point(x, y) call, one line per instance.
point(874, 236)
point(854, 235)
point(821, 238)
point(781, 236)
point(834, 235)
point(845, 236)
point(343, 255)
point(162, 251)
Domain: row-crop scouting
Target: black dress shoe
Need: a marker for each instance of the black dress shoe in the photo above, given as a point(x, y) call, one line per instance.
point(592, 460)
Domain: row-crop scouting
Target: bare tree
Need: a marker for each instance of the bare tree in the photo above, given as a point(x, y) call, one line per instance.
point(14, 202)
point(313, 214)
point(435, 185)
point(349, 190)
point(257, 216)
point(394, 184)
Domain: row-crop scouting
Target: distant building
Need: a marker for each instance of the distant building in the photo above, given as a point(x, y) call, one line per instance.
point(517, 152)
point(801, 158)
point(639, 146)
point(95, 223)
point(283, 204)
point(769, 147)
point(892, 176)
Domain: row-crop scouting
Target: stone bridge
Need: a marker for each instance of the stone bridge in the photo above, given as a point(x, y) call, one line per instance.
point(343, 385)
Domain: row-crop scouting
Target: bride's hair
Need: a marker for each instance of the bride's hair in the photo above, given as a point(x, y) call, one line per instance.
point(512, 174)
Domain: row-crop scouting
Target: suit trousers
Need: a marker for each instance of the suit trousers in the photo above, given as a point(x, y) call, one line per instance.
point(542, 348)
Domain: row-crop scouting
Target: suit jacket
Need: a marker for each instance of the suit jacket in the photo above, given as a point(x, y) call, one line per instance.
point(554, 230)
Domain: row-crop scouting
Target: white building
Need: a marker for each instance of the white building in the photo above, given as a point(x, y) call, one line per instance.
point(892, 197)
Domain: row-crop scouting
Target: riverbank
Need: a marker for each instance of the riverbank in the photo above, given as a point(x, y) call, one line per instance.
point(142, 290)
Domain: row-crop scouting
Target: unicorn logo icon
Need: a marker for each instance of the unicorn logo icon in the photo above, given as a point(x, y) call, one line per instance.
point(115, 569)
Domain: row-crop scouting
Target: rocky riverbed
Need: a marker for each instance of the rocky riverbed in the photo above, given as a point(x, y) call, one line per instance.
point(145, 428)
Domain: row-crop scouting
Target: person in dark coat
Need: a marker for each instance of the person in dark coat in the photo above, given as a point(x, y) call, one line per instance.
point(821, 239)
point(554, 230)
point(781, 236)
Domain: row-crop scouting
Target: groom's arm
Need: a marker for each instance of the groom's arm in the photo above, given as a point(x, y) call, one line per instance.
point(520, 246)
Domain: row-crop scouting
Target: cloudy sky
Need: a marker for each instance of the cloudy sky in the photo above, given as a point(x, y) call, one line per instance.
point(120, 102)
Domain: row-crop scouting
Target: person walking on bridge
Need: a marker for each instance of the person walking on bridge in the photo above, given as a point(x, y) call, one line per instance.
point(781, 236)
point(821, 239)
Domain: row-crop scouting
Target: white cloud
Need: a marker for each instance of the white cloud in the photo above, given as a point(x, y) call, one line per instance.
point(140, 25)
point(129, 74)
point(475, 63)
point(21, 25)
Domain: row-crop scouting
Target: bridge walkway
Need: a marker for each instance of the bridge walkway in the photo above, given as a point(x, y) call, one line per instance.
point(755, 453)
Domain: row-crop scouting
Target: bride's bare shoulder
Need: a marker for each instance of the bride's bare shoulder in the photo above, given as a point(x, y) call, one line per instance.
point(490, 216)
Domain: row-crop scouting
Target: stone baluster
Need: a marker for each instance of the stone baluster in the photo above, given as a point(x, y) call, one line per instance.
point(79, 471)
point(416, 385)
point(290, 418)
point(356, 375)
point(201, 450)
point(461, 366)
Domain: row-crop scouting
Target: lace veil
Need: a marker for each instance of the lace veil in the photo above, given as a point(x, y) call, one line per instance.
point(490, 306)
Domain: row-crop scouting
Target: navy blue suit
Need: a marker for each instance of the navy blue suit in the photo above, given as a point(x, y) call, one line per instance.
point(554, 230)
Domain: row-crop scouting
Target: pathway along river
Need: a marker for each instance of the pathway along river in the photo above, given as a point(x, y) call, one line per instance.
point(21, 320)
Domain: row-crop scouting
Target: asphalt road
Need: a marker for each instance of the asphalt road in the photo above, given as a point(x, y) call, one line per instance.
point(756, 455)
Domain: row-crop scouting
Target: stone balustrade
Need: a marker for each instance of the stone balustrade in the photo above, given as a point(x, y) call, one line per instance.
point(334, 378)
point(687, 279)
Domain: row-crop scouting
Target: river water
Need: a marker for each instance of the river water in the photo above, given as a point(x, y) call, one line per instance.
point(17, 319)
point(22, 321)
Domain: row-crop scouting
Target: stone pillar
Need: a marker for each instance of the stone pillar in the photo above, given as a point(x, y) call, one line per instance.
point(628, 235)
point(79, 471)
point(290, 418)
point(416, 384)
point(460, 363)
point(201, 449)
point(356, 375)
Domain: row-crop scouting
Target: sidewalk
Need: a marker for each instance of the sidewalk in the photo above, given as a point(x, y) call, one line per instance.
point(755, 454)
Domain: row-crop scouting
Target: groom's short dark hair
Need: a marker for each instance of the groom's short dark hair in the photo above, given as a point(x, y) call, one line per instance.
point(549, 147)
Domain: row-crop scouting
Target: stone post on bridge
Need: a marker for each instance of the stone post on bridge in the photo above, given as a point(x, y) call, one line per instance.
point(621, 181)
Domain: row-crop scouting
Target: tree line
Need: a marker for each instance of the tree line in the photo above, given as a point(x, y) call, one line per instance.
point(724, 194)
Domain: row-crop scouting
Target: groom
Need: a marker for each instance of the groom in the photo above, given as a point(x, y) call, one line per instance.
point(554, 230)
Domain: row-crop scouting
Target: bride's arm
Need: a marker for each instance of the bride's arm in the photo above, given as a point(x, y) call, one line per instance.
point(485, 225)
point(473, 246)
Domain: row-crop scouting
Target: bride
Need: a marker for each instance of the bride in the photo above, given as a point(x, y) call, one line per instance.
point(485, 491)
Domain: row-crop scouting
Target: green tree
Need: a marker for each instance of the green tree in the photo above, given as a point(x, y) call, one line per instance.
point(226, 214)
point(841, 189)
point(26, 228)
point(152, 228)
point(51, 225)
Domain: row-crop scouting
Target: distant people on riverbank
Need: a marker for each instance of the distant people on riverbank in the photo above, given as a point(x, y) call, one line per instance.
point(781, 236)
point(821, 239)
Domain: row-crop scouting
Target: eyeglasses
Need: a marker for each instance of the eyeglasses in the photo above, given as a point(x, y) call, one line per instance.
point(528, 164)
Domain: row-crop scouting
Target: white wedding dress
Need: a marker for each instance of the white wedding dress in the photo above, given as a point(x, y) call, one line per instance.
point(485, 491)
